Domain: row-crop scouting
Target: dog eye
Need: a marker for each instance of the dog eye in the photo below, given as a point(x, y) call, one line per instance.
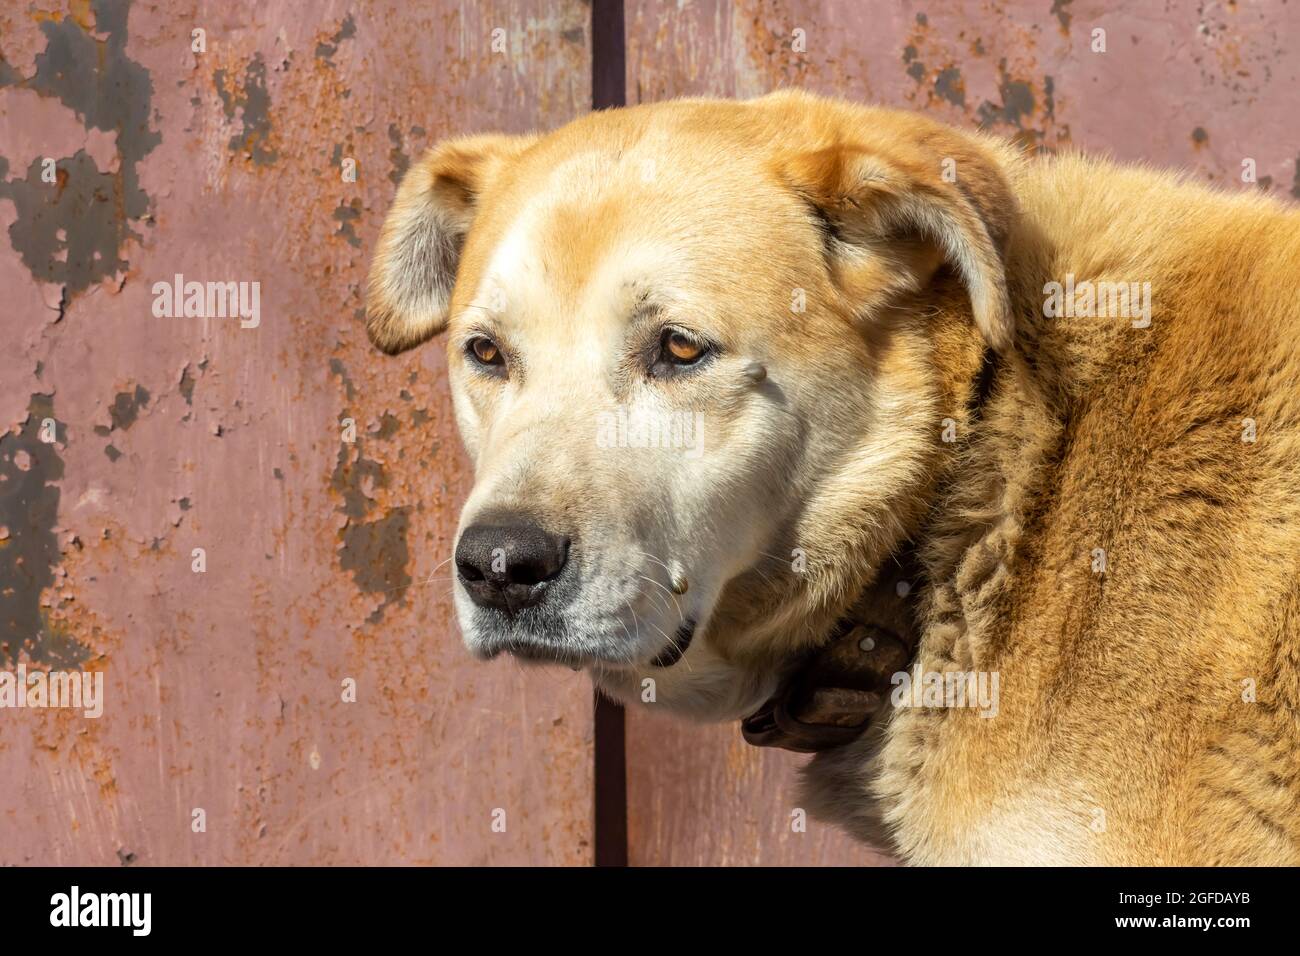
point(678, 349)
point(485, 352)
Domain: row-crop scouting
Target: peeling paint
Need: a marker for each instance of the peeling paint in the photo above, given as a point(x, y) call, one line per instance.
point(401, 162)
point(376, 554)
point(74, 234)
point(346, 214)
point(1017, 102)
point(387, 428)
point(186, 384)
point(915, 68)
point(126, 407)
point(249, 104)
point(337, 368)
point(30, 470)
point(69, 234)
point(950, 86)
point(347, 30)
point(1060, 10)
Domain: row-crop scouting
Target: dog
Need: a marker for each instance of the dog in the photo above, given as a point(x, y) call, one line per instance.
point(717, 362)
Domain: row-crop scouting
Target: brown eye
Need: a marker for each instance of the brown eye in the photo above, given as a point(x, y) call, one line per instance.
point(681, 350)
point(679, 353)
point(485, 351)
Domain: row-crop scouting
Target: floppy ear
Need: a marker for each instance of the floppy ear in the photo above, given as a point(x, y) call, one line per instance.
point(894, 217)
point(415, 264)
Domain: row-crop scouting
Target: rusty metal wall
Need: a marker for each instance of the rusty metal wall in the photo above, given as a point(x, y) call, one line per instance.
point(225, 688)
point(1213, 87)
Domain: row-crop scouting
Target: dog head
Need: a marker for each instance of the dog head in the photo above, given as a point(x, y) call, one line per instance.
point(700, 353)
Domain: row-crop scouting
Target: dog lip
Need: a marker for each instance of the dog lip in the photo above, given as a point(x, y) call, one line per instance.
point(677, 647)
point(541, 654)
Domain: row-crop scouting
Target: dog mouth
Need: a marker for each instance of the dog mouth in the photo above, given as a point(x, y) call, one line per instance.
point(539, 653)
point(677, 647)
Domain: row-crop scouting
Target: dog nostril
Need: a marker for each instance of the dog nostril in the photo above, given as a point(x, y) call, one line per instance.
point(539, 566)
point(467, 570)
point(526, 574)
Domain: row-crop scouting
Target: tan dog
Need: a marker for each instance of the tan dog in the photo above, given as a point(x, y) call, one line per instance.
point(716, 361)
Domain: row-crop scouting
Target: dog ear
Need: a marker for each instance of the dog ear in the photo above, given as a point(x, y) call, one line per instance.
point(414, 269)
point(897, 208)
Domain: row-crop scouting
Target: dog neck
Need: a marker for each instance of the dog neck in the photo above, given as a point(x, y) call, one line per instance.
point(833, 692)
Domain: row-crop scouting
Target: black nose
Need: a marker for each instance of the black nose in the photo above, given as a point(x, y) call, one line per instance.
point(506, 561)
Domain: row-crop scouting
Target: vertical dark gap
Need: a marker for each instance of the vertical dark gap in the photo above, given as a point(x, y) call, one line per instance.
point(608, 79)
point(608, 55)
point(611, 784)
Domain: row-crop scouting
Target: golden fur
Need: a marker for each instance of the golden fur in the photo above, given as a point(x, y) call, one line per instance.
point(1116, 534)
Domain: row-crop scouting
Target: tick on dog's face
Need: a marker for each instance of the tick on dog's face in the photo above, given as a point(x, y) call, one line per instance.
point(666, 346)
